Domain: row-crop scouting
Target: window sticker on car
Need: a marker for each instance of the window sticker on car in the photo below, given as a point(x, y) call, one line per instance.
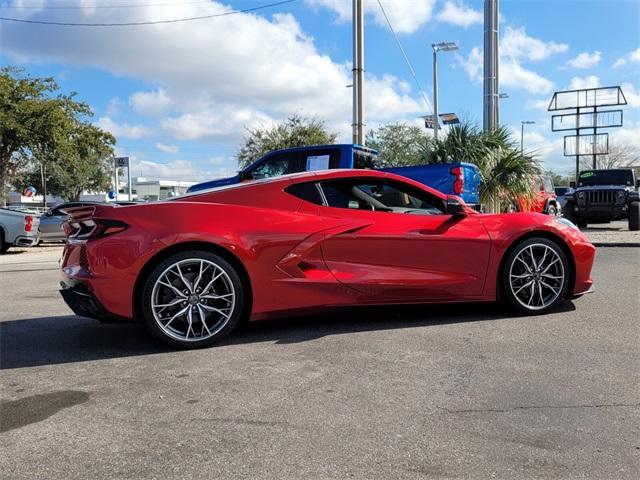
point(317, 162)
point(586, 174)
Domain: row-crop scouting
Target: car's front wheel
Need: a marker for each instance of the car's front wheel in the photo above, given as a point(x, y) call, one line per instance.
point(634, 216)
point(193, 299)
point(535, 276)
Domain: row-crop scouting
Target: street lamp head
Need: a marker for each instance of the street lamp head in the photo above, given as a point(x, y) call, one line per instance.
point(444, 46)
point(528, 122)
point(503, 95)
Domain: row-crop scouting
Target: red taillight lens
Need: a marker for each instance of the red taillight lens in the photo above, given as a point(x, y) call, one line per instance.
point(458, 183)
point(28, 223)
point(93, 228)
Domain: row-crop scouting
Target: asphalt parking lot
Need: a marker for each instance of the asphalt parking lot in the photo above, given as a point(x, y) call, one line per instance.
point(428, 392)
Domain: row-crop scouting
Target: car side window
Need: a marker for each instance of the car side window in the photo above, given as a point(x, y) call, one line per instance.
point(277, 165)
point(305, 191)
point(384, 196)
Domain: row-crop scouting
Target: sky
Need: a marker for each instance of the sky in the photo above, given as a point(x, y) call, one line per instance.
point(180, 97)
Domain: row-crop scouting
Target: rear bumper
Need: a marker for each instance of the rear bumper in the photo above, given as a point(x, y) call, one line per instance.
point(25, 241)
point(84, 303)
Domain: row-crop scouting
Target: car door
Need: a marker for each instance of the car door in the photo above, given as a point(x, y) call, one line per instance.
point(393, 251)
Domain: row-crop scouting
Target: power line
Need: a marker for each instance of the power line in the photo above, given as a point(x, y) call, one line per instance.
point(135, 24)
point(406, 59)
point(83, 6)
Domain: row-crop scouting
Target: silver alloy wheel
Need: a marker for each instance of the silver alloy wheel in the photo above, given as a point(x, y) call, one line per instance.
point(193, 300)
point(536, 276)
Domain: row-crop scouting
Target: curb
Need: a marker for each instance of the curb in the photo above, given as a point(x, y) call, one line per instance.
point(615, 244)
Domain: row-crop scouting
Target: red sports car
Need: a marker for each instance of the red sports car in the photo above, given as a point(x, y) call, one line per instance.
point(194, 267)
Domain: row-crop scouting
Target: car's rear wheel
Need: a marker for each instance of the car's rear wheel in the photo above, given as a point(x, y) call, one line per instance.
point(634, 216)
point(535, 276)
point(193, 299)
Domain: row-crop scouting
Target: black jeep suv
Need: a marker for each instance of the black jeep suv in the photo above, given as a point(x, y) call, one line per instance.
point(601, 196)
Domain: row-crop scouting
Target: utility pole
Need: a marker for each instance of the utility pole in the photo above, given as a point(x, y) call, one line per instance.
point(490, 88)
point(436, 123)
point(358, 71)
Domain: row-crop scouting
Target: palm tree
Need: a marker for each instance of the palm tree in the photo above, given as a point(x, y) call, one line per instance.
point(505, 173)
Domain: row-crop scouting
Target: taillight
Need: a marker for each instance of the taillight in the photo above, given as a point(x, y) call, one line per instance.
point(458, 183)
point(93, 228)
point(28, 223)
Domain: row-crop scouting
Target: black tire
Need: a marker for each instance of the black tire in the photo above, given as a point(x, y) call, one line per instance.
point(511, 265)
point(634, 216)
point(3, 246)
point(172, 336)
point(582, 223)
point(567, 212)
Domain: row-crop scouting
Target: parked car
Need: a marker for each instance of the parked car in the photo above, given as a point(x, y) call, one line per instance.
point(193, 268)
point(560, 194)
point(17, 229)
point(458, 178)
point(544, 198)
point(602, 196)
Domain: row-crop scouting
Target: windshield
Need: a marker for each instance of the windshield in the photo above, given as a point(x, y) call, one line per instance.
point(606, 177)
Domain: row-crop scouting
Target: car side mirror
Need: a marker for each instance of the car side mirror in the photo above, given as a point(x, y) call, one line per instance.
point(245, 175)
point(572, 184)
point(455, 206)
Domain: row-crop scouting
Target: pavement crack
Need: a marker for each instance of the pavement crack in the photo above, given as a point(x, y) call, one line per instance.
point(539, 407)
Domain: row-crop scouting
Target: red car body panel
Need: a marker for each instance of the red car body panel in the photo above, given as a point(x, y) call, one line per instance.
point(298, 255)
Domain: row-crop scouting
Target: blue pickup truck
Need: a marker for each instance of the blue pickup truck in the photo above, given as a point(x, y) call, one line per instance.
point(462, 179)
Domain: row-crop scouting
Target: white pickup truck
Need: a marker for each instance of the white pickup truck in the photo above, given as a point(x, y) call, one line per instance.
point(17, 229)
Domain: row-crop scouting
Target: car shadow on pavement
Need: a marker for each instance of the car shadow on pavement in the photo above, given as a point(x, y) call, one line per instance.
point(65, 339)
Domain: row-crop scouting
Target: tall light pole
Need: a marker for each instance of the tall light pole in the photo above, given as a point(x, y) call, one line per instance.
point(358, 71)
point(438, 47)
point(490, 107)
point(522, 124)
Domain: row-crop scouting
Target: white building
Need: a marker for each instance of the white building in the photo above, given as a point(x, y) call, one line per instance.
point(149, 190)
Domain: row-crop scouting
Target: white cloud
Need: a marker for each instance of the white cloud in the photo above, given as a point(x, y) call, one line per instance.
point(405, 16)
point(514, 75)
point(619, 62)
point(150, 103)
point(123, 130)
point(472, 64)
point(220, 75)
point(578, 83)
point(457, 13)
point(585, 60)
point(167, 148)
point(631, 94)
point(540, 104)
point(517, 45)
point(631, 57)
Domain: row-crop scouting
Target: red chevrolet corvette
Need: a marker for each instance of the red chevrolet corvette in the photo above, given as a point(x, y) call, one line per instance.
point(194, 267)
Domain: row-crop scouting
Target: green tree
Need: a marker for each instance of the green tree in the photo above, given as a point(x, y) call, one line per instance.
point(295, 131)
point(40, 127)
point(399, 144)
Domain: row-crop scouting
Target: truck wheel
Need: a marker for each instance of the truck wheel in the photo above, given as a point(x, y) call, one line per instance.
point(634, 216)
point(567, 212)
point(3, 246)
point(582, 222)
